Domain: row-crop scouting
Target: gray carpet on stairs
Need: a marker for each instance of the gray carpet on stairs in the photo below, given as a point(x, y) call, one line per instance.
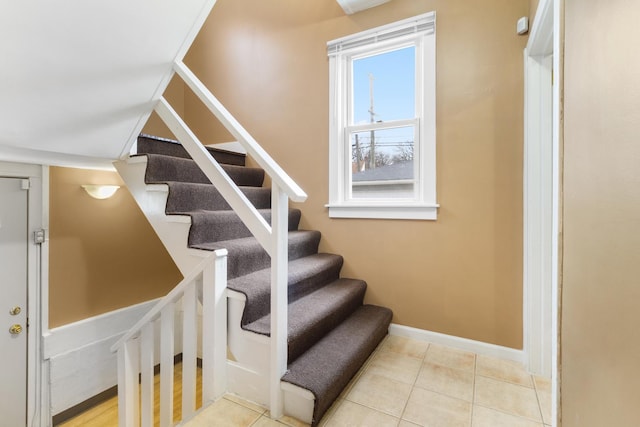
point(330, 332)
point(187, 196)
point(246, 255)
point(214, 226)
point(162, 169)
point(171, 147)
point(327, 367)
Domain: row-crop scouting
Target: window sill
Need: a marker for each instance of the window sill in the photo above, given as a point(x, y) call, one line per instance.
point(384, 211)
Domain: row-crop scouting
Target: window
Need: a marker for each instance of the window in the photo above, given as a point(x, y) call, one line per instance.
point(382, 122)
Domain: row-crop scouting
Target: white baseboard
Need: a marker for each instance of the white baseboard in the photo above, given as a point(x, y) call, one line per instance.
point(81, 364)
point(465, 344)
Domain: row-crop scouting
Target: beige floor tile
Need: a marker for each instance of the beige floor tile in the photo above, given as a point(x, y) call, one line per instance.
point(351, 383)
point(451, 357)
point(427, 408)
point(405, 423)
point(324, 422)
point(485, 417)
point(544, 399)
point(292, 422)
point(542, 383)
point(395, 366)
point(265, 421)
point(224, 413)
point(380, 393)
point(503, 370)
point(506, 397)
point(445, 380)
point(350, 414)
point(247, 404)
point(405, 346)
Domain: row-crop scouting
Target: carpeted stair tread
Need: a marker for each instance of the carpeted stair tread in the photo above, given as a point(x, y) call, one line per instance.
point(189, 196)
point(305, 276)
point(149, 144)
point(162, 169)
point(246, 255)
point(214, 226)
point(327, 367)
point(314, 315)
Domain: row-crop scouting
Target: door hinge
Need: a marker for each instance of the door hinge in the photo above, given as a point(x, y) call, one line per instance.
point(39, 236)
point(26, 184)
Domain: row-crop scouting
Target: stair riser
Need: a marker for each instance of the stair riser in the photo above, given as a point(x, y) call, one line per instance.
point(332, 319)
point(186, 197)
point(239, 265)
point(211, 228)
point(155, 145)
point(297, 289)
point(162, 169)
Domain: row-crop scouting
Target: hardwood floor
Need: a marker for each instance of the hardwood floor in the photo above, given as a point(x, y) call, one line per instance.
point(105, 414)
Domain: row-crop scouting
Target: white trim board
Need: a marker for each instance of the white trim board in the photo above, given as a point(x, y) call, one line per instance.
point(75, 335)
point(81, 364)
point(465, 344)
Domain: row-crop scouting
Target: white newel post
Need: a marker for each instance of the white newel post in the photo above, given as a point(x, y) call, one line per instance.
point(128, 368)
point(279, 297)
point(214, 327)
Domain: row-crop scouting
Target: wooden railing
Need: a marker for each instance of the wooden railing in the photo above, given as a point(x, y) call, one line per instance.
point(273, 238)
point(136, 349)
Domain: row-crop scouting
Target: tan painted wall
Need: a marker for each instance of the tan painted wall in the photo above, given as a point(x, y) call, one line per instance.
point(601, 273)
point(175, 95)
point(104, 255)
point(460, 275)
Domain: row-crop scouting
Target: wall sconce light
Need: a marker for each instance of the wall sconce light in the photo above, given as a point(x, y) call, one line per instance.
point(101, 191)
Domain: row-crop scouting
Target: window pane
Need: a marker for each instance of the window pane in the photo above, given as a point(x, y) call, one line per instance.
point(382, 164)
point(384, 86)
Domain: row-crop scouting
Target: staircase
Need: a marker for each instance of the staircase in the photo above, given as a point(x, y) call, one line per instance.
point(330, 332)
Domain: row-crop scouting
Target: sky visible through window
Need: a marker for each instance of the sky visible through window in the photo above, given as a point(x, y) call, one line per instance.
point(393, 75)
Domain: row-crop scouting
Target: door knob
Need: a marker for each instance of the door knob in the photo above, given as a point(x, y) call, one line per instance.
point(15, 311)
point(15, 329)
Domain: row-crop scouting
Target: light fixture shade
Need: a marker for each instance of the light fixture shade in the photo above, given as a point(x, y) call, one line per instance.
point(353, 6)
point(101, 191)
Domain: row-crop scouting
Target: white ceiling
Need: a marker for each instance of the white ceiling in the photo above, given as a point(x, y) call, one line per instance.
point(79, 77)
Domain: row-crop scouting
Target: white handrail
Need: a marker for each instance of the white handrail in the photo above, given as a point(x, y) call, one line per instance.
point(227, 188)
point(277, 174)
point(173, 296)
point(136, 348)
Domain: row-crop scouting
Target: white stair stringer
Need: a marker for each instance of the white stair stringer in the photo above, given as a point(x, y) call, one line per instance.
point(173, 230)
point(248, 377)
point(248, 365)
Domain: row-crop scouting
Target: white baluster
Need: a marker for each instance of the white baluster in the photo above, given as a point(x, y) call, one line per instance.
point(146, 372)
point(167, 320)
point(189, 348)
point(128, 368)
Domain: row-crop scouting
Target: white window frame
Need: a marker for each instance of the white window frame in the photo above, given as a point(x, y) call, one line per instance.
point(418, 31)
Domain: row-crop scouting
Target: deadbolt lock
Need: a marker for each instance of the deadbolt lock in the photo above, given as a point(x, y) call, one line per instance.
point(15, 311)
point(15, 329)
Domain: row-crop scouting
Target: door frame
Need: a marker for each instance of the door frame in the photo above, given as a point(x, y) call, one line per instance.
point(541, 194)
point(37, 285)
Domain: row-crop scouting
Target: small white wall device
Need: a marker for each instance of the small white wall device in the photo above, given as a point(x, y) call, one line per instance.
point(522, 27)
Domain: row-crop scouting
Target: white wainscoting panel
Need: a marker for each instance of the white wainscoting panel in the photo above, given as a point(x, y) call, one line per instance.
point(80, 360)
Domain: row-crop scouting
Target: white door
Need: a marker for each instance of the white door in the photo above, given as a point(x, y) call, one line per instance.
point(13, 302)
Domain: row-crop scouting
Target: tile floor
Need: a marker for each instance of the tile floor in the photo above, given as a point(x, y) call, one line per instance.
point(408, 383)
